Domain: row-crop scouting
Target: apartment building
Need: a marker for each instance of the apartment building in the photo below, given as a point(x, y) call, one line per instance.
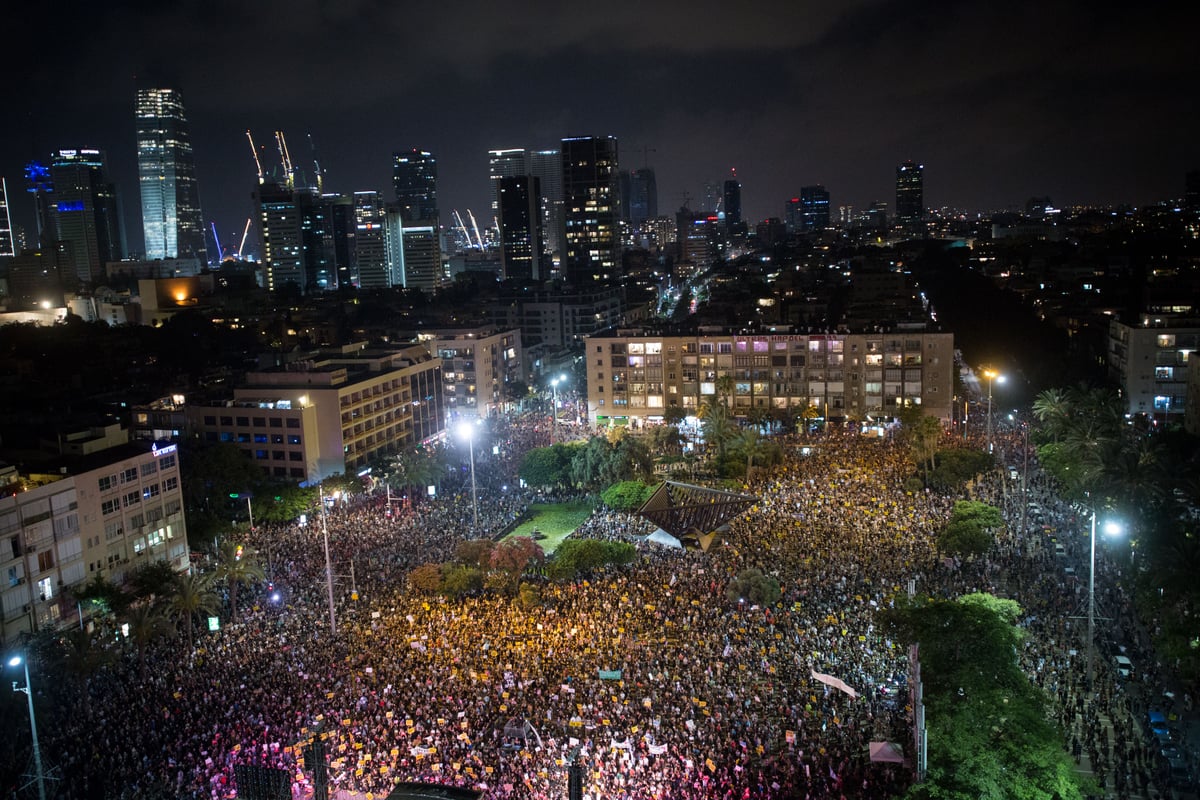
point(634, 375)
point(103, 513)
point(479, 365)
point(331, 414)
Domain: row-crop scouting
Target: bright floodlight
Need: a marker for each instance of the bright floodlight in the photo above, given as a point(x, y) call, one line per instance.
point(1000, 379)
point(466, 430)
point(14, 661)
point(1113, 528)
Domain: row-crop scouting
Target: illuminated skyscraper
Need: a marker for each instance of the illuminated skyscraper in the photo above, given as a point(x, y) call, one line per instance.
point(414, 175)
point(546, 166)
point(7, 241)
point(510, 163)
point(39, 184)
point(370, 250)
point(86, 212)
point(732, 201)
point(172, 223)
point(520, 216)
point(589, 185)
point(910, 195)
point(814, 208)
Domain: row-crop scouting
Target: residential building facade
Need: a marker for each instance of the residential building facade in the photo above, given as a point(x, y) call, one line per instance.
point(1150, 363)
point(103, 513)
point(634, 375)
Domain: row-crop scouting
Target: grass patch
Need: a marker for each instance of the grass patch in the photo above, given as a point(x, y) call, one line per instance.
point(556, 520)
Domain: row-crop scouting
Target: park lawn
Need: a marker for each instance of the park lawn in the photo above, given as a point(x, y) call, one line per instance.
point(556, 520)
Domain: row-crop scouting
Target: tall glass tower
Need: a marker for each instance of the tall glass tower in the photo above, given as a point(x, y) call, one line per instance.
point(172, 223)
point(590, 213)
point(414, 176)
point(910, 194)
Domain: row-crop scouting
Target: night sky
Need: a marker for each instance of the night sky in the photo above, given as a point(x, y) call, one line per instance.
point(999, 101)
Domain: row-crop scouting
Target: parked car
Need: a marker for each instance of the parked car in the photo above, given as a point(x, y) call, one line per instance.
point(1124, 667)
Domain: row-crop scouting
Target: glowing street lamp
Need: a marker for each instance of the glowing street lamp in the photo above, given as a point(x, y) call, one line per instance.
point(1110, 528)
point(466, 430)
point(992, 376)
point(37, 751)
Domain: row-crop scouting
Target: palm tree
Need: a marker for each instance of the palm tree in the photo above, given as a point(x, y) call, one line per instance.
point(237, 565)
point(81, 660)
point(193, 595)
point(717, 425)
point(146, 623)
point(1053, 409)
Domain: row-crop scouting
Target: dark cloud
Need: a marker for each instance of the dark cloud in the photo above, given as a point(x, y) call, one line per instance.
point(999, 101)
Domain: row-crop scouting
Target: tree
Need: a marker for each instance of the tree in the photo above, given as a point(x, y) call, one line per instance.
point(717, 426)
point(237, 565)
point(153, 581)
point(105, 594)
point(627, 495)
point(516, 554)
point(426, 579)
point(921, 434)
point(988, 733)
point(81, 659)
point(674, 415)
point(547, 466)
point(968, 532)
point(529, 597)
point(753, 586)
point(474, 552)
point(459, 580)
point(146, 623)
point(192, 596)
point(577, 557)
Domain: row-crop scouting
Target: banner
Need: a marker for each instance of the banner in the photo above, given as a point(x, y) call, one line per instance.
point(657, 749)
point(836, 683)
point(610, 674)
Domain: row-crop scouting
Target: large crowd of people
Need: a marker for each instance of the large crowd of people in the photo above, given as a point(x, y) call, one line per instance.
point(647, 676)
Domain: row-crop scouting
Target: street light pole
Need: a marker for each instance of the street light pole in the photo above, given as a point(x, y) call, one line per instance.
point(328, 561)
point(467, 431)
point(991, 376)
point(37, 750)
point(1109, 528)
point(554, 406)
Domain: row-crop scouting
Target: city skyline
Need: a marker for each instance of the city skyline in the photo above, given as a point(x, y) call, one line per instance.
point(998, 104)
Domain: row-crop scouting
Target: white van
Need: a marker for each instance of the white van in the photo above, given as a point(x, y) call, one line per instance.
point(1124, 667)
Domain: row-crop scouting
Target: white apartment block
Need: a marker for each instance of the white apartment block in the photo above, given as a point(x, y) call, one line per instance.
point(1150, 363)
point(102, 514)
point(477, 366)
point(634, 375)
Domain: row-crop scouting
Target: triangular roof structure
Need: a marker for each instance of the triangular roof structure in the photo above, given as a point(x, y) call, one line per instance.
point(693, 512)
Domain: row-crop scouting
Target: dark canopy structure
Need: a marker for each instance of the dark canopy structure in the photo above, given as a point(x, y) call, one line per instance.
point(693, 514)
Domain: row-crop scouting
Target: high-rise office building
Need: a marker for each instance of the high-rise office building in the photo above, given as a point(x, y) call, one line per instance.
point(87, 212)
point(520, 217)
point(814, 208)
point(590, 213)
point(172, 223)
point(510, 163)
point(910, 195)
point(414, 175)
point(639, 195)
point(279, 225)
point(370, 251)
point(792, 218)
point(8, 245)
point(546, 166)
point(732, 201)
point(39, 184)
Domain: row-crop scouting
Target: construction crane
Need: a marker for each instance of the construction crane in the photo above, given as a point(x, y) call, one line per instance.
point(254, 152)
point(245, 233)
point(285, 158)
point(475, 227)
point(462, 227)
point(316, 164)
point(217, 239)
